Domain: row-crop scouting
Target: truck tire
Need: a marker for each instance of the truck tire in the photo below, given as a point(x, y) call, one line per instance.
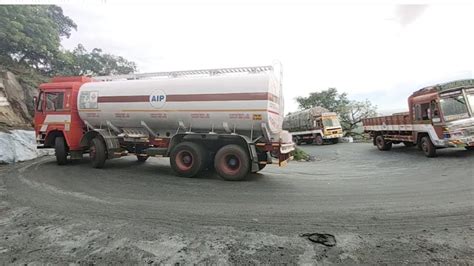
point(60, 150)
point(97, 153)
point(382, 144)
point(408, 144)
point(232, 163)
point(319, 140)
point(427, 147)
point(142, 158)
point(296, 141)
point(187, 159)
point(469, 148)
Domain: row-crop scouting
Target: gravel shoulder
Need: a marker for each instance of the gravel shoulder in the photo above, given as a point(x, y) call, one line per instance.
point(382, 207)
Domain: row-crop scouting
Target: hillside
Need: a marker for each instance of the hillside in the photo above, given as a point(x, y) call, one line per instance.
point(16, 102)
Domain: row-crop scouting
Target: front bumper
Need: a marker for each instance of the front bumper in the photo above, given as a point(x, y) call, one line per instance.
point(456, 142)
point(333, 136)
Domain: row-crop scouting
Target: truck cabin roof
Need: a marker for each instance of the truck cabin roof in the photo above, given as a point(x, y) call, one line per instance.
point(444, 87)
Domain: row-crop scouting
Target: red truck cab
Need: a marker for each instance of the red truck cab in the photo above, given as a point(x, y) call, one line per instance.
point(57, 120)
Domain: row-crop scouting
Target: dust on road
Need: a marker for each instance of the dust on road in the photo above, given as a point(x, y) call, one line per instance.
point(382, 207)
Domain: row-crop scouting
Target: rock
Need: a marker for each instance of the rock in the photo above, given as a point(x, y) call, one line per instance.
point(15, 102)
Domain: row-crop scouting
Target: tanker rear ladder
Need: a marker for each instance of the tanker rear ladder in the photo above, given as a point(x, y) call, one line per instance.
point(186, 73)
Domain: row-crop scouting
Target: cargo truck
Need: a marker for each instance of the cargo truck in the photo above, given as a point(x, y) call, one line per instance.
point(440, 116)
point(314, 125)
point(229, 119)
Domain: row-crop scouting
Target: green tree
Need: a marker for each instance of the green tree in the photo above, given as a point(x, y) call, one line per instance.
point(329, 99)
point(94, 63)
point(31, 35)
point(351, 116)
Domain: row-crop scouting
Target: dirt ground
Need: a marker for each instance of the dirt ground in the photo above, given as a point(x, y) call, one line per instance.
point(394, 207)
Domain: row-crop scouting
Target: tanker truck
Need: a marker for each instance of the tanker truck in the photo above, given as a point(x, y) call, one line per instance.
point(316, 124)
point(229, 119)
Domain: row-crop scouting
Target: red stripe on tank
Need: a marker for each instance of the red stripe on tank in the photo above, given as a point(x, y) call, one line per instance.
point(257, 96)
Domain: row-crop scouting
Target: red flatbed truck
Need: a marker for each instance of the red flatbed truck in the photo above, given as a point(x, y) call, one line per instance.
point(440, 116)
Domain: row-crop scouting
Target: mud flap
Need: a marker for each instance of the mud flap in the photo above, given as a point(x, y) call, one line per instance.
point(111, 141)
point(254, 159)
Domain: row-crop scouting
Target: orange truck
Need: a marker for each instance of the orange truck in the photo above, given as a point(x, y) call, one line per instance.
point(440, 116)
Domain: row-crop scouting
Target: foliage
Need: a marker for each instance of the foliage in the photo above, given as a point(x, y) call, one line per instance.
point(81, 62)
point(350, 112)
point(329, 99)
point(299, 154)
point(30, 38)
point(351, 115)
point(31, 35)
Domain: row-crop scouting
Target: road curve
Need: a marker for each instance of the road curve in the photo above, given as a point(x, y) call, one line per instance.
point(395, 206)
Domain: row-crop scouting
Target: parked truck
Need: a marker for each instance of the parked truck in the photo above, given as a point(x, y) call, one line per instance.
point(316, 125)
point(228, 119)
point(440, 116)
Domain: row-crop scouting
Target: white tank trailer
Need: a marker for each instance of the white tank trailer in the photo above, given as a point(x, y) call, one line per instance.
point(228, 119)
point(233, 103)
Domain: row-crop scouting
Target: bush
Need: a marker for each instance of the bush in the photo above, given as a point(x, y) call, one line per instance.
point(299, 154)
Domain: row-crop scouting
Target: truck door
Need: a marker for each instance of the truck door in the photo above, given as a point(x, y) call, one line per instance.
point(39, 113)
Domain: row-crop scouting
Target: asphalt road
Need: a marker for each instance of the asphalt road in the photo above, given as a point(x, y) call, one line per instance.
point(382, 207)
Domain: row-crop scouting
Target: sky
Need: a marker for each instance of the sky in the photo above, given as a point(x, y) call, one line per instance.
point(381, 52)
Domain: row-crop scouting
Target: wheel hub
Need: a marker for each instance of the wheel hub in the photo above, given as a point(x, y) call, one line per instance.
point(233, 162)
point(184, 160)
point(187, 159)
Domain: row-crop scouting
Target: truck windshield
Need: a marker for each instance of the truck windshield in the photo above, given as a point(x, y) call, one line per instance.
point(331, 122)
point(454, 107)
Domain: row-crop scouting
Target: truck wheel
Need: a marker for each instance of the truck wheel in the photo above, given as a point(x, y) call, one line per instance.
point(427, 147)
point(60, 150)
point(97, 153)
point(469, 148)
point(408, 144)
point(232, 163)
point(142, 158)
point(296, 141)
point(382, 144)
point(187, 159)
point(319, 140)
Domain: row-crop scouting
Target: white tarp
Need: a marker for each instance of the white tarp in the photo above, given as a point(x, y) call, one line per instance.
point(20, 145)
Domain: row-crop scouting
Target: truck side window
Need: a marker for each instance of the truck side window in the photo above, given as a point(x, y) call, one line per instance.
point(417, 112)
point(39, 105)
point(425, 111)
point(54, 101)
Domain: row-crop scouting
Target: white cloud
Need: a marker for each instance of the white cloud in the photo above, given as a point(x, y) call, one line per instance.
point(370, 51)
